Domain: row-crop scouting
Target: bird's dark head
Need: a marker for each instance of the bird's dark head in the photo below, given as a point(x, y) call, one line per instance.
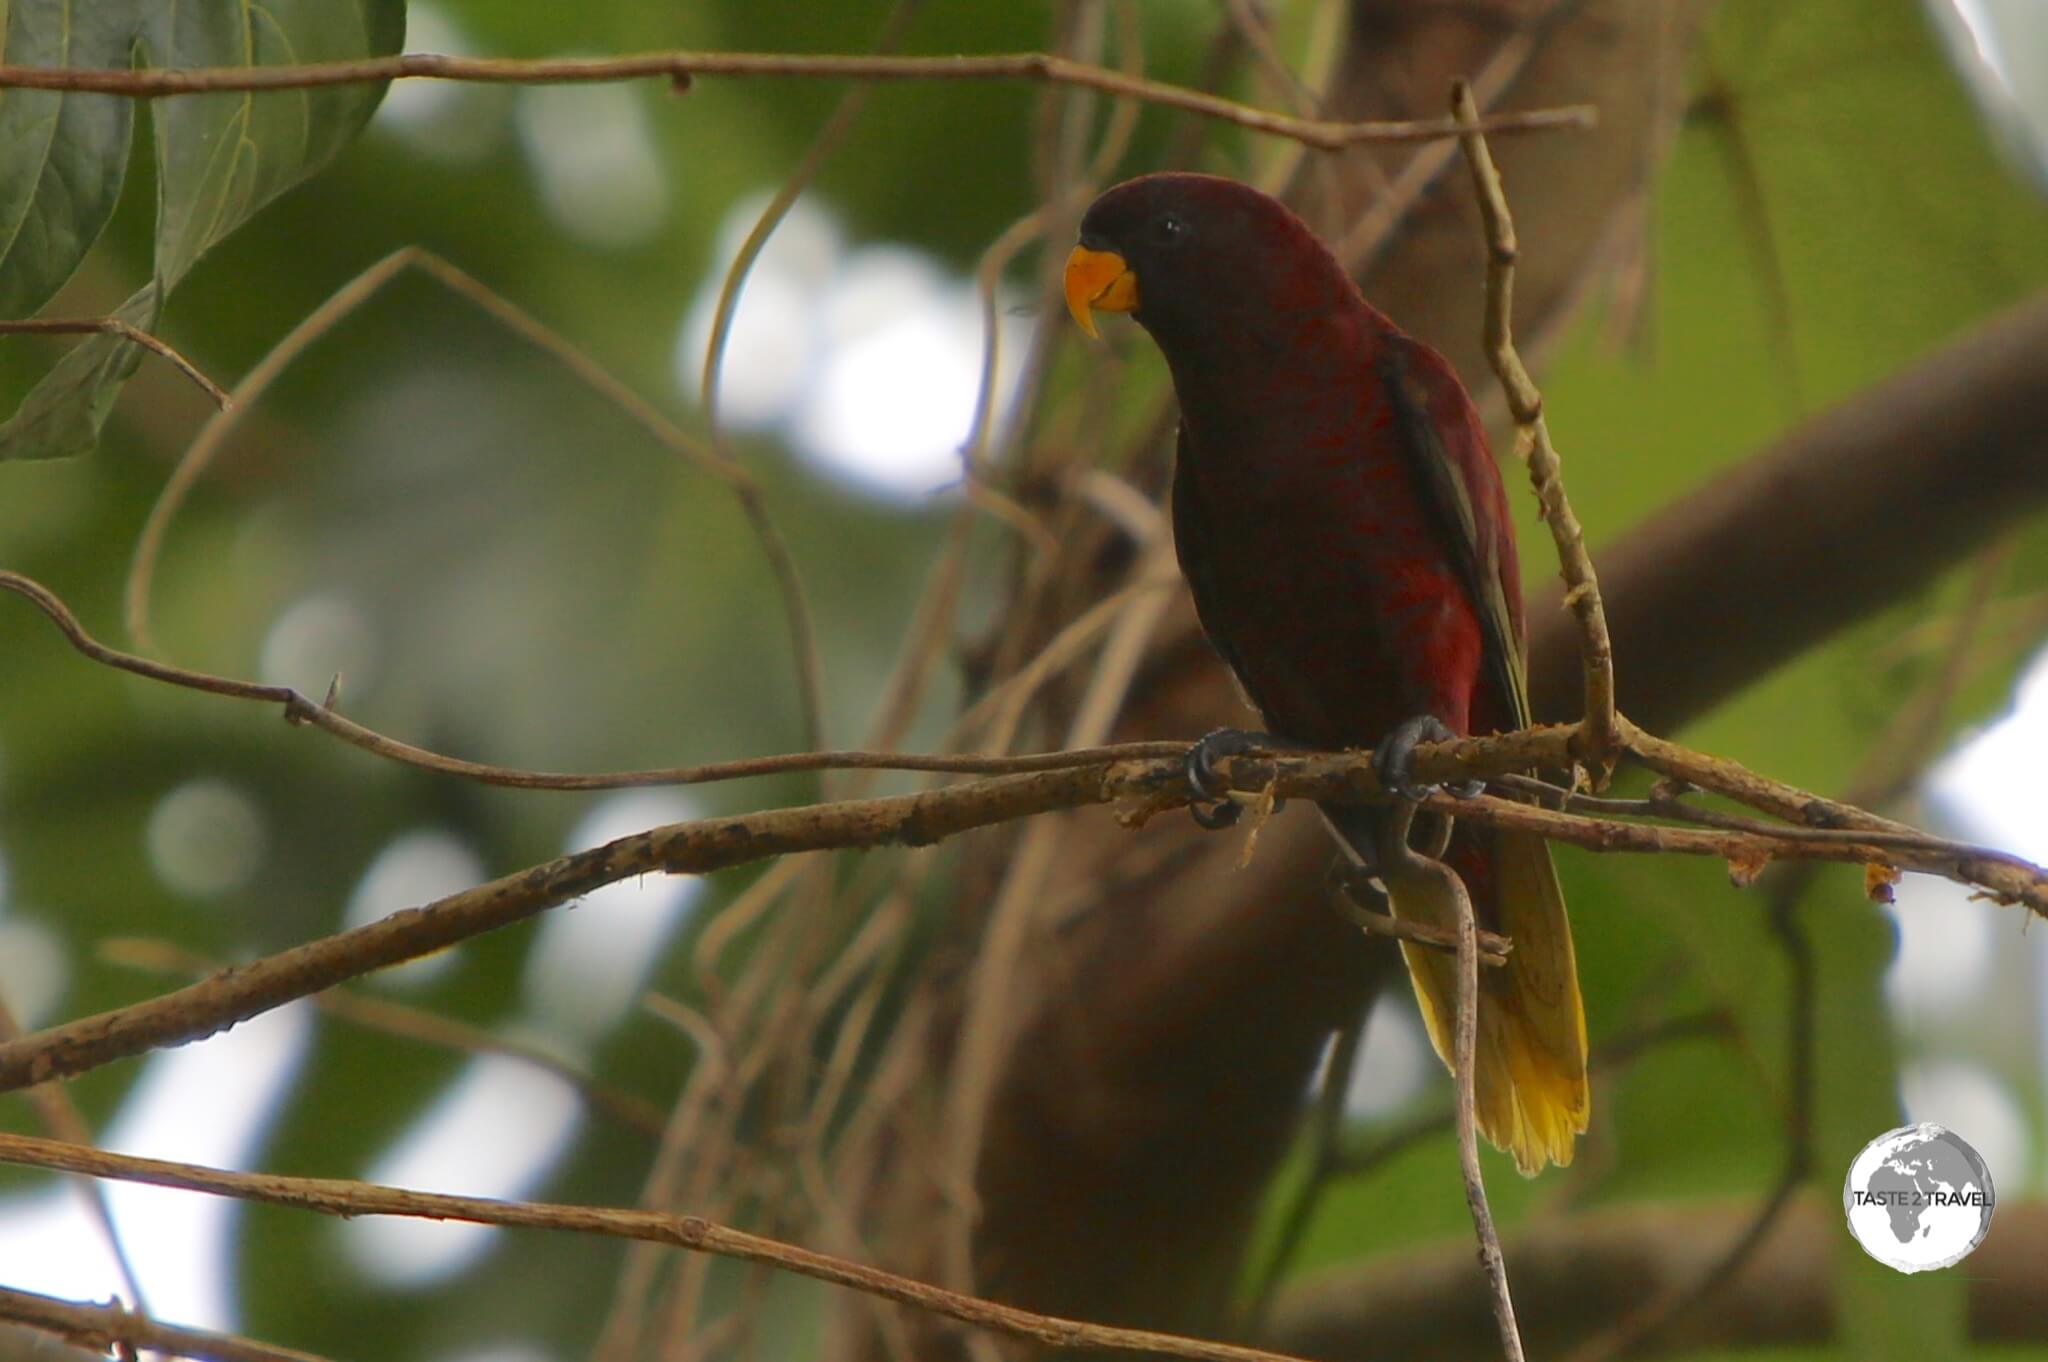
point(1197, 257)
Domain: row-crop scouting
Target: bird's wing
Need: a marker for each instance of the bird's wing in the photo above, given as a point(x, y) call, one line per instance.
point(1459, 484)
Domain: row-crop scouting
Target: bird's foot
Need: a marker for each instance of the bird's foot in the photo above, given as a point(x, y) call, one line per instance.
point(1212, 806)
point(1393, 755)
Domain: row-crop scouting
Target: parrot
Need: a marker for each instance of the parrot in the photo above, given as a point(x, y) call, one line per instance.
point(1347, 540)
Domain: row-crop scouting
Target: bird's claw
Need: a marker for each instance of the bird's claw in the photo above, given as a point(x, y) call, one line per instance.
point(1396, 752)
point(1212, 806)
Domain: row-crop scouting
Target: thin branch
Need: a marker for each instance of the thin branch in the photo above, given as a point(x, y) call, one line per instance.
point(1465, 1046)
point(681, 68)
point(347, 1198)
point(1140, 785)
point(1015, 912)
point(1818, 828)
point(1376, 230)
point(244, 991)
point(810, 672)
point(1525, 403)
point(112, 1328)
point(298, 709)
point(1667, 800)
point(1493, 948)
point(127, 330)
point(1579, 1272)
point(405, 1022)
point(62, 1119)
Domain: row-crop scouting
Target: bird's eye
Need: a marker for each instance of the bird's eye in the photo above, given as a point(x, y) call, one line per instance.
point(1169, 229)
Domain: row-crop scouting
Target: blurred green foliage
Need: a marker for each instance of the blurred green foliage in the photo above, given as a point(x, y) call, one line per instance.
point(219, 158)
point(548, 588)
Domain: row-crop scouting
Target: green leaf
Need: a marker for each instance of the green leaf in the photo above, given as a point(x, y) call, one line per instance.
point(63, 413)
point(62, 172)
point(220, 159)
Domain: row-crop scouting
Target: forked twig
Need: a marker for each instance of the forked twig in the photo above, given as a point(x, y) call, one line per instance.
point(111, 1328)
point(127, 330)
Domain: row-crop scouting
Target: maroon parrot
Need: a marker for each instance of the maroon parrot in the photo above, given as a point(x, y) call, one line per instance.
point(1350, 550)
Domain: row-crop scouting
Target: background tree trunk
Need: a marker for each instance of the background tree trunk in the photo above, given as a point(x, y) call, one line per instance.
point(1159, 1047)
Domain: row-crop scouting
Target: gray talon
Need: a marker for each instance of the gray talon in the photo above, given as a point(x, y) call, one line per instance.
point(1396, 751)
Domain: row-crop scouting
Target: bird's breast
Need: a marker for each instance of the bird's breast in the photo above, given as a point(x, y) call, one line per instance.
point(1328, 586)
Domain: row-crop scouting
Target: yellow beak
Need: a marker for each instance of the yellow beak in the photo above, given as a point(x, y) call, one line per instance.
point(1099, 281)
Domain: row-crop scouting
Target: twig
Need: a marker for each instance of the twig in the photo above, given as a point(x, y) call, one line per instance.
point(1817, 828)
point(1600, 733)
point(61, 1117)
point(1466, 1048)
point(619, 1334)
point(1376, 230)
point(1493, 948)
point(1141, 784)
point(809, 666)
point(347, 1198)
point(406, 1023)
point(127, 330)
point(682, 67)
point(298, 709)
point(1016, 911)
point(111, 1328)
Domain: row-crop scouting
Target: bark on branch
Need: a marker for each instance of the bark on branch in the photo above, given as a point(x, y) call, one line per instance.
point(1576, 1278)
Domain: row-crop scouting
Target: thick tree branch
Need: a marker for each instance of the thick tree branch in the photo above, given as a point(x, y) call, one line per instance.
point(1854, 510)
point(1822, 830)
point(1576, 1277)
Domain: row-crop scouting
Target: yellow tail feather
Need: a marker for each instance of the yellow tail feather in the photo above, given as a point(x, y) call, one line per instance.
point(1529, 1083)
